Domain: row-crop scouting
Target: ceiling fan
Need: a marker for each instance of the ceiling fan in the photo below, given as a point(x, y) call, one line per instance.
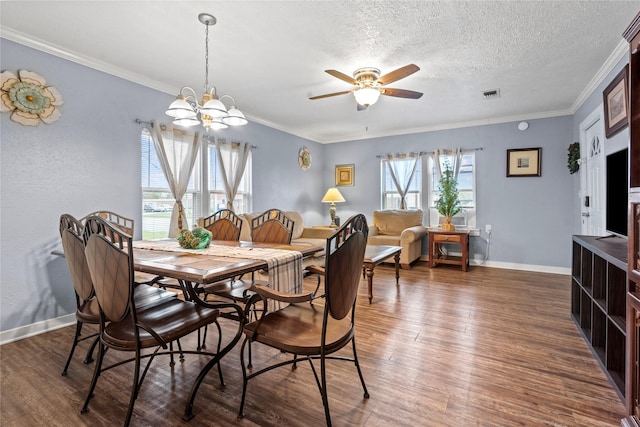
point(368, 85)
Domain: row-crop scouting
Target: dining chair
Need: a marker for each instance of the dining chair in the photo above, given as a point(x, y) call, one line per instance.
point(127, 226)
point(309, 330)
point(223, 225)
point(124, 326)
point(87, 308)
point(272, 226)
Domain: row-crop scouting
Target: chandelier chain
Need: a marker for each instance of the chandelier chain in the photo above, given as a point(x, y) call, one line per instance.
point(206, 59)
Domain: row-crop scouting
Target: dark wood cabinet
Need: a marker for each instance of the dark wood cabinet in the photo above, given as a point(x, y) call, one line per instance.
point(598, 301)
point(632, 392)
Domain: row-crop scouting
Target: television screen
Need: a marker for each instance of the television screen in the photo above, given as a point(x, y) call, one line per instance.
point(617, 192)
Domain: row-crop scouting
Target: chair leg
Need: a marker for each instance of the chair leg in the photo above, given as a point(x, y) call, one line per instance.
point(203, 346)
point(355, 359)
point(172, 362)
point(245, 381)
point(323, 390)
point(96, 373)
point(89, 358)
point(134, 388)
point(73, 347)
point(218, 352)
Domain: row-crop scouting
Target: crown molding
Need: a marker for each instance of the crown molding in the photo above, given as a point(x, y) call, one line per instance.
point(457, 125)
point(44, 46)
point(618, 53)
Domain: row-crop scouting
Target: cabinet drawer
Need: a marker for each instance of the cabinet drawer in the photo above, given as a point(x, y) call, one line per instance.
point(450, 238)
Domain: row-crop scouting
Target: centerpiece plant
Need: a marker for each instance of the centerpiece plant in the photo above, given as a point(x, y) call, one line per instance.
point(448, 205)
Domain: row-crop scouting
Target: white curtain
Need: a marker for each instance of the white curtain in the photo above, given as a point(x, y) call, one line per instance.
point(402, 168)
point(177, 150)
point(232, 158)
point(454, 156)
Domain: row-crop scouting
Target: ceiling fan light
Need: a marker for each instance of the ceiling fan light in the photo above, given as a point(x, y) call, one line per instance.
point(366, 96)
point(234, 117)
point(180, 109)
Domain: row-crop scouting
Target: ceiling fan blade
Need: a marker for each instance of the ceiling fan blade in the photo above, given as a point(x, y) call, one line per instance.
point(398, 74)
point(341, 76)
point(400, 93)
point(327, 95)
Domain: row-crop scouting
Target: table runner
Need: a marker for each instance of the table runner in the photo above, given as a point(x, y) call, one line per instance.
point(284, 266)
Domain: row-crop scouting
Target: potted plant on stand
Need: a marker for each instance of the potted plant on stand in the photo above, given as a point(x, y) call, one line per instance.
point(448, 205)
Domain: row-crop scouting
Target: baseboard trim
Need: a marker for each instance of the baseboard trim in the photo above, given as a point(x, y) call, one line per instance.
point(37, 328)
point(514, 266)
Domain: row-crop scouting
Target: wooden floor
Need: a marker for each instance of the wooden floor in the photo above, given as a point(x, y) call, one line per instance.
point(488, 347)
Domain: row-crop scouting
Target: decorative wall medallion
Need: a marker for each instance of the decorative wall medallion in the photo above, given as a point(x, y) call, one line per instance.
point(304, 158)
point(28, 98)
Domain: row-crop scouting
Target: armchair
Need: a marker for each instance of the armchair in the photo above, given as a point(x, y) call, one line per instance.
point(399, 228)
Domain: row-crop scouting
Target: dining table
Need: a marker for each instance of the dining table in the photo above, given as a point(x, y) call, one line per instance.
point(222, 260)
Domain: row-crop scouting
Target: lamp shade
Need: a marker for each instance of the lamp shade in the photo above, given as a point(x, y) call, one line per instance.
point(180, 109)
point(333, 196)
point(235, 117)
point(367, 96)
point(213, 107)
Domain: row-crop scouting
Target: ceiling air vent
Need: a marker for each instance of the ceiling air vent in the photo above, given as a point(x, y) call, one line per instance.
point(491, 94)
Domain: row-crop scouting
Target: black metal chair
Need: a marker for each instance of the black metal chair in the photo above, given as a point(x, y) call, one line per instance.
point(310, 331)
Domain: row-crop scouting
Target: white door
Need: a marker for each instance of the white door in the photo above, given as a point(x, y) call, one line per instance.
point(592, 175)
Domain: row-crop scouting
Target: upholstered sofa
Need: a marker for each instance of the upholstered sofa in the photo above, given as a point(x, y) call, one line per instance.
point(301, 235)
point(399, 228)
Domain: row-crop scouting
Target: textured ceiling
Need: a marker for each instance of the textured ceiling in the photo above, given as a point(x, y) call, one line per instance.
point(271, 55)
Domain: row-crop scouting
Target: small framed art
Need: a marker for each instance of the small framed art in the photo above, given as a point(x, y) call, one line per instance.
point(345, 175)
point(616, 103)
point(524, 162)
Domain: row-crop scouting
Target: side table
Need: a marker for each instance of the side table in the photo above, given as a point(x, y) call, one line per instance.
point(438, 237)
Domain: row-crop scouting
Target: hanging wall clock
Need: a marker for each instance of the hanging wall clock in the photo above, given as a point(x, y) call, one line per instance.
point(28, 98)
point(304, 158)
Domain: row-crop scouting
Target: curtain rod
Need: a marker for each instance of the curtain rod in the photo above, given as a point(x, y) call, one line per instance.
point(422, 153)
point(204, 136)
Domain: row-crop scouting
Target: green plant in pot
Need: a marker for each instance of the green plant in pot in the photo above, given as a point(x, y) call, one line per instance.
point(448, 205)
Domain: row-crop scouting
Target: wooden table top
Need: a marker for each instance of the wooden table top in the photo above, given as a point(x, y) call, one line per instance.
point(203, 269)
point(376, 253)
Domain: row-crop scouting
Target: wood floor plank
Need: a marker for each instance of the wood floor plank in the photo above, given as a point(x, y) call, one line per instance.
point(489, 347)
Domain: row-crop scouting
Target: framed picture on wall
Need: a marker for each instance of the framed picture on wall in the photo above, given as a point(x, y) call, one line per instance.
point(616, 103)
point(524, 162)
point(345, 175)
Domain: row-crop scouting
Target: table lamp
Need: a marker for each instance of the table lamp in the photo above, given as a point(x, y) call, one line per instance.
point(333, 196)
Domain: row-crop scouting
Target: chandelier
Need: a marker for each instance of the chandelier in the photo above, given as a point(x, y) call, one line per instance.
point(212, 111)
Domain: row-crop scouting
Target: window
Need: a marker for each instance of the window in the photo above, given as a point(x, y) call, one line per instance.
point(157, 200)
point(217, 197)
point(390, 194)
point(206, 188)
point(466, 189)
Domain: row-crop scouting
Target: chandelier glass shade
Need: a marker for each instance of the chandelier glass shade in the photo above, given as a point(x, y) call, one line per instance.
point(211, 111)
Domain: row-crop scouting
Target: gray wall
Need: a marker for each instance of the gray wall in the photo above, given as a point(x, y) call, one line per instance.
point(90, 160)
point(530, 217)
